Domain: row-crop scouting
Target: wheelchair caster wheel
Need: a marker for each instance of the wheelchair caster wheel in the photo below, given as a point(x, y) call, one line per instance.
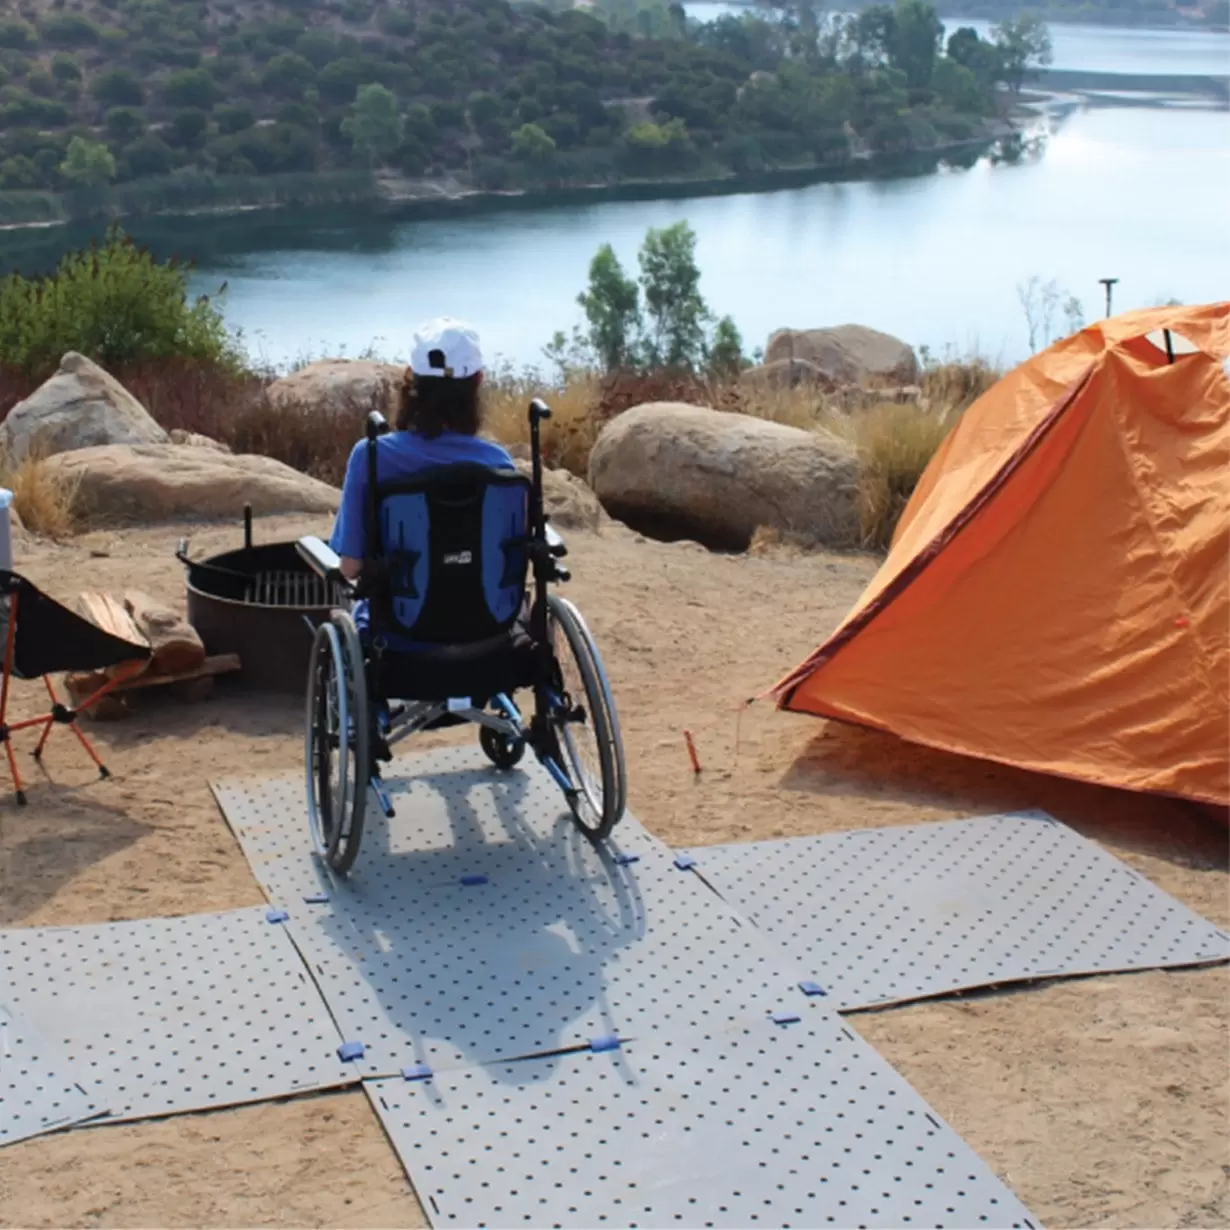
point(503, 752)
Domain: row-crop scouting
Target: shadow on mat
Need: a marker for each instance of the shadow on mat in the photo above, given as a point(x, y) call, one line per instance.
point(842, 759)
point(512, 968)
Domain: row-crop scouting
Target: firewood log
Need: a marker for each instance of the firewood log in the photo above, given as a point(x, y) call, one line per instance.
point(106, 613)
point(176, 645)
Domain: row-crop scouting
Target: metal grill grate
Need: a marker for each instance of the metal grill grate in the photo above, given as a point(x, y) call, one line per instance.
point(290, 588)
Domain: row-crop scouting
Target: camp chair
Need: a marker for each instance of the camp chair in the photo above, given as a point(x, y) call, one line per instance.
point(41, 636)
point(452, 554)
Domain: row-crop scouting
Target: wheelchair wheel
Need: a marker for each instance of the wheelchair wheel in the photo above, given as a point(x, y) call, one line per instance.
point(503, 752)
point(337, 755)
point(585, 725)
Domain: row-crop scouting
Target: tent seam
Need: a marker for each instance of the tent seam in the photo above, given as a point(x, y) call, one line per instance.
point(786, 689)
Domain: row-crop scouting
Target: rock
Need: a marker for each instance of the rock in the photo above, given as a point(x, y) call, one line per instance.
point(848, 354)
point(196, 440)
point(81, 406)
point(785, 374)
point(570, 504)
point(352, 387)
point(151, 483)
point(676, 471)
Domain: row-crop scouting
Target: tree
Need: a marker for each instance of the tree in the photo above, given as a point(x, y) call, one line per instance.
point(374, 124)
point(88, 164)
point(1024, 46)
point(17, 34)
point(1038, 301)
point(118, 88)
point(533, 144)
point(982, 59)
point(915, 43)
point(288, 75)
point(726, 351)
point(670, 284)
point(189, 127)
point(124, 124)
point(612, 309)
point(191, 87)
point(233, 119)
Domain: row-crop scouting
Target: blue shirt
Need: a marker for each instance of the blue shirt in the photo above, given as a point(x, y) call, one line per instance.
point(400, 454)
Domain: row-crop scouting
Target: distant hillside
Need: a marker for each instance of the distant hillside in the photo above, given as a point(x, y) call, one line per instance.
point(100, 96)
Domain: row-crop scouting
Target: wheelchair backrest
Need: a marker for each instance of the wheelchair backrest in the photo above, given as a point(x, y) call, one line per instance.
point(453, 553)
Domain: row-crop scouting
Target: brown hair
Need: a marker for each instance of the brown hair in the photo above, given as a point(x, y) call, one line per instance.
point(431, 405)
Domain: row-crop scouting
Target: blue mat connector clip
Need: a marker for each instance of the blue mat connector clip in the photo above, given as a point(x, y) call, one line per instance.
point(416, 1072)
point(811, 988)
point(684, 862)
point(786, 1018)
point(350, 1050)
point(276, 916)
point(470, 881)
point(315, 898)
point(609, 1042)
point(628, 857)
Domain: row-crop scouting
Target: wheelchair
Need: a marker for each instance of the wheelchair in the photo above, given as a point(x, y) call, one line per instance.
point(452, 633)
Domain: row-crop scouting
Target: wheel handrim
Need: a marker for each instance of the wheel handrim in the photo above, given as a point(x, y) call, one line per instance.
point(584, 754)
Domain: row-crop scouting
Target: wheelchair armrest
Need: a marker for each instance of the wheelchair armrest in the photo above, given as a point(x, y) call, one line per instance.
point(555, 544)
point(321, 559)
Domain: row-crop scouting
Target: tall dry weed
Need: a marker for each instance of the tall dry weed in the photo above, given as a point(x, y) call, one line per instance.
point(895, 445)
point(43, 500)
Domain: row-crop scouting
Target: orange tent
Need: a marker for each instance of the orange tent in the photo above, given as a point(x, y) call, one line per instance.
point(1057, 594)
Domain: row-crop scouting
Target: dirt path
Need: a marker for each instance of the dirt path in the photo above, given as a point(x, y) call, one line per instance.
point(1101, 1101)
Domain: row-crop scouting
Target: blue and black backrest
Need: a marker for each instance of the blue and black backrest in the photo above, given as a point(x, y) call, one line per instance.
point(453, 558)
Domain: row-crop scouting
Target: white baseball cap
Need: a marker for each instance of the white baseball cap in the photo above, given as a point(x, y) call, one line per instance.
point(451, 343)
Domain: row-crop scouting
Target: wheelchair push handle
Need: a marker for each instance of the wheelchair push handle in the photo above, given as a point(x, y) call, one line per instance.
point(377, 425)
point(539, 410)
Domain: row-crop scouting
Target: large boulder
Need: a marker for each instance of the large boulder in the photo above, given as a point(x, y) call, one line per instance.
point(784, 374)
point(848, 354)
point(569, 503)
point(152, 483)
point(81, 406)
point(351, 387)
point(677, 471)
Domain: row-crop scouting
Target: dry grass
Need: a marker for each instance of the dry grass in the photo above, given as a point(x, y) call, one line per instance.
point(895, 444)
point(43, 501)
point(894, 441)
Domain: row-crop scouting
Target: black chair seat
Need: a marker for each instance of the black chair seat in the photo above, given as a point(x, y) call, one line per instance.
point(479, 671)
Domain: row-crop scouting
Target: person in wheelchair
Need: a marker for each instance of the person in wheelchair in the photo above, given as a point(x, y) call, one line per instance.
point(432, 549)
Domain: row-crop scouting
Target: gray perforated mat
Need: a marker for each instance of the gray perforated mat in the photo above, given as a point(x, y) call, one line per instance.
point(756, 1125)
point(166, 1015)
point(554, 943)
point(887, 915)
point(39, 1086)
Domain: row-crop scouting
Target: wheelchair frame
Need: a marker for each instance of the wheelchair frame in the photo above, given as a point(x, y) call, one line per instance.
point(336, 813)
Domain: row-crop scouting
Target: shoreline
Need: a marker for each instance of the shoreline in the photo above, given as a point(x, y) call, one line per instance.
point(446, 195)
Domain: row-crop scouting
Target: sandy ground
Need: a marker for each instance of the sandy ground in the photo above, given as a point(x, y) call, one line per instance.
point(1101, 1101)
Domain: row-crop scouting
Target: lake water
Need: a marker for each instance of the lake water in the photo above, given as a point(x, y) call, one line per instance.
point(1136, 193)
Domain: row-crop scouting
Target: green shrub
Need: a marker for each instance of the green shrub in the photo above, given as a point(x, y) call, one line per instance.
point(17, 34)
point(114, 303)
point(118, 88)
point(234, 119)
point(124, 124)
point(70, 30)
